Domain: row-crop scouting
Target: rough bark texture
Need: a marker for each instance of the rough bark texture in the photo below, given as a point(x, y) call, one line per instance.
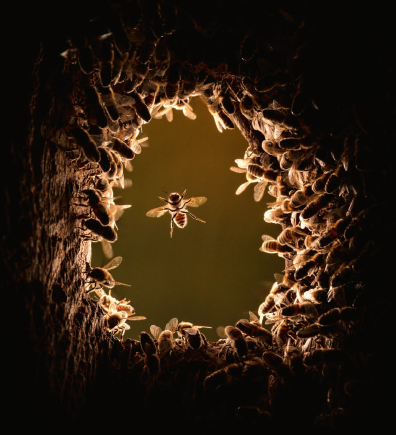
point(67, 368)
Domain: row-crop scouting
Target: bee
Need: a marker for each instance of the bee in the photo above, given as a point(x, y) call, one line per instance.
point(140, 107)
point(165, 337)
point(276, 215)
point(97, 204)
point(194, 338)
point(101, 276)
point(275, 362)
point(290, 235)
point(123, 149)
point(272, 148)
point(238, 341)
point(106, 234)
point(315, 206)
point(173, 80)
point(249, 327)
point(106, 159)
point(266, 306)
point(299, 197)
point(177, 207)
point(110, 104)
point(316, 329)
point(334, 315)
point(222, 120)
point(254, 174)
point(271, 246)
point(115, 321)
point(282, 117)
point(334, 232)
point(306, 309)
point(306, 268)
point(151, 358)
point(84, 140)
point(106, 65)
point(183, 326)
point(319, 185)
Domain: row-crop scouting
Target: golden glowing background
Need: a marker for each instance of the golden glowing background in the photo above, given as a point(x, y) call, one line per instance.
point(209, 273)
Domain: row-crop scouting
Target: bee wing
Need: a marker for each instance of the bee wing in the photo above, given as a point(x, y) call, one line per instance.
point(136, 317)
point(197, 326)
point(119, 210)
point(242, 188)
point(169, 114)
point(218, 122)
point(253, 317)
point(172, 325)
point(136, 148)
point(259, 190)
point(121, 283)
point(266, 238)
point(242, 163)
point(278, 277)
point(128, 166)
point(155, 331)
point(196, 201)
point(188, 111)
point(239, 170)
point(116, 261)
point(157, 212)
point(107, 248)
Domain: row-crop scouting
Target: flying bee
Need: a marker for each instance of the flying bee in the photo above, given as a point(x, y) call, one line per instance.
point(183, 326)
point(165, 337)
point(84, 140)
point(177, 207)
point(271, 246)
point(100, 276)
point(238, 341)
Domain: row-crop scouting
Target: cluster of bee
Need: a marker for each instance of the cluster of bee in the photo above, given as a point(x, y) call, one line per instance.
point(321, 185)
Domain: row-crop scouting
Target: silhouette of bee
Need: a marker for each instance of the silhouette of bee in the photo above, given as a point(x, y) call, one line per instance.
point(173, 80)
point(140, 107)
point(123, 149)
point(84, 140)
point(98, 205)
point(165, 337)
point(334, 315)
point(238, 341)
point(101, 276)
point(177, 207)
point(151, 358)
point(105, 233)
point(95, 111)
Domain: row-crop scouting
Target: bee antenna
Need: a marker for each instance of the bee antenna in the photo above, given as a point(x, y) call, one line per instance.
point(165, 192)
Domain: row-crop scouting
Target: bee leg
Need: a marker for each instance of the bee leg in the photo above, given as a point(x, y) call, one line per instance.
point(171, 231)
point(194, 217)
